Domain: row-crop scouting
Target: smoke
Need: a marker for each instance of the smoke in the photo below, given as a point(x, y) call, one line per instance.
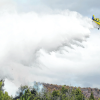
point(26, 37)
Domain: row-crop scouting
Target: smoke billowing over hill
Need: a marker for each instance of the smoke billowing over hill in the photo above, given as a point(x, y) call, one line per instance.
point(45, 47)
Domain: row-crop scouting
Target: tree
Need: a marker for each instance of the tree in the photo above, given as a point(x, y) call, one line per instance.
point(21, 90)
point(91, 96)
point(33, 91)
point(1, 85)
point(6, 96)
point(98, 98)
point(64, 97)
point(78, 94)
point(1, 90)
point(1, 95)
point(64, 90)
point(55, 93)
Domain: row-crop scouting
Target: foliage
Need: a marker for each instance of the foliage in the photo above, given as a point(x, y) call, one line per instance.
point(78, 94)
point(4, 96)
point(34, 94)
point(91, 96)
point(55, 93)
point(64, 90)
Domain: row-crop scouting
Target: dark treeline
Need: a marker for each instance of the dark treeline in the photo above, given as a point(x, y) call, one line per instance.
point(28, 93)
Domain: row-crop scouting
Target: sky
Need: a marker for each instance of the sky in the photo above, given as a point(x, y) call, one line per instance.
point(84, 7)
point(52, 41)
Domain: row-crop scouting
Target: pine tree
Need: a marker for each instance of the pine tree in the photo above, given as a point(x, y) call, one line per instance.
point(78, 94)
point(91, 96)
point(64, 90)
point(6, 96)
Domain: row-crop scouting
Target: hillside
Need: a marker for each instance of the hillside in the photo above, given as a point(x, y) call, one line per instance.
point(85, 91)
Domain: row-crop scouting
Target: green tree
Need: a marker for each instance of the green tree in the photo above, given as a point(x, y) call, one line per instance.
point(78, 94)
point(33, 91)
point(55, 93)
point(64, 90)
point(6, 96)
point(64, 97)
point(1, 85)
point(1, 92)
point(21, 89)
point(91, 96)
point(98, 98)
point(1, 95)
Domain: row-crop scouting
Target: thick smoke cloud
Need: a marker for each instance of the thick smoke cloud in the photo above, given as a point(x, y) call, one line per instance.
point(23, 35)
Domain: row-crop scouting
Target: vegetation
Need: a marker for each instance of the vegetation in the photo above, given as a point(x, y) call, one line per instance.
point(4, 96)
point(91, 96)
point(26, 93)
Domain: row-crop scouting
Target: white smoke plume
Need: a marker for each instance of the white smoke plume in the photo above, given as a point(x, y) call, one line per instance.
point(25, 37)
